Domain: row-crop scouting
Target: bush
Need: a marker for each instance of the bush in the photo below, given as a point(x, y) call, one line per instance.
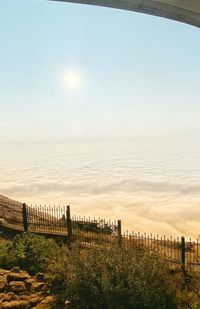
point(187, 291)
point(7, 258)
point(111, 279)
point(102, 278)
point(28, 251)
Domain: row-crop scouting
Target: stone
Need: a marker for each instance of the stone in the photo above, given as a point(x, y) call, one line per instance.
point(17, 276)
point(45, 303)
point(28, 284)
point(39, 277)
point(17, 287)
point(16, 270)
point(31, 280)
point(16, 304)
point(21, 291)
point(3, 272)
point(8, 296)
point(38, 286)
point(35, 300)
point(3, 284)
point(3, 281)
point(45, 289)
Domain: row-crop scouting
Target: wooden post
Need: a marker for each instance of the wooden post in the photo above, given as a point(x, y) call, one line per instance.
point(69, 222)
point(183, 254)
point(24, 216)
point(119, 228)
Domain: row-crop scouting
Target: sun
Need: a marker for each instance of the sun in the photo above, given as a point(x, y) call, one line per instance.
point(72, 80)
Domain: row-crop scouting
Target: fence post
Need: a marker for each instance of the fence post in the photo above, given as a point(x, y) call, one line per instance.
point(183, 254)
point(69, 222)
point(24, 216)
point(119, 234)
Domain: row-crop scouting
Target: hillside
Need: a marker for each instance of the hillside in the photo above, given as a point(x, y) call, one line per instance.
point(10, 210)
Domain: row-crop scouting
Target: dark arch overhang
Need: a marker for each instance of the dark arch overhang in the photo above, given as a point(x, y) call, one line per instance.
point(187, 11)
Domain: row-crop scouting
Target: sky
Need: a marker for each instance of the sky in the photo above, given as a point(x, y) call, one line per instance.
point(74, 71)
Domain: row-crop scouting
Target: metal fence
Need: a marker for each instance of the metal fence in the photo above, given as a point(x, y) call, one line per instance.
point(52, 220)
point(58, 221)
point(45, 219)
point(178, 252)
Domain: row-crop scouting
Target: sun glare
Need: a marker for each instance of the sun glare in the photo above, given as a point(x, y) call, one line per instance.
point(72, 80)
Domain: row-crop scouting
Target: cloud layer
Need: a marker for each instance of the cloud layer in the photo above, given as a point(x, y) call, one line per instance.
point(150, 191)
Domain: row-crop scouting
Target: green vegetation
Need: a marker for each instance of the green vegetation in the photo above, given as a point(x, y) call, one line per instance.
point(111, 278)
point(28, 251)
point(102, 278)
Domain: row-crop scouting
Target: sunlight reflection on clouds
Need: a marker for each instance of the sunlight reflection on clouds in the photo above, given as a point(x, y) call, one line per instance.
point(152, 187)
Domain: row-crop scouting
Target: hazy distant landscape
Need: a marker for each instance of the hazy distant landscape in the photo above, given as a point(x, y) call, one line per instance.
point(152, 184)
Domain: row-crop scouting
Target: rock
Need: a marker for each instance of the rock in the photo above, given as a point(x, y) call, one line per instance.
point(17, 276)
point(3, 281)
point(39, 277)
point(16, 287)
point(3, 284)
point(16, 304)
point(38, 286)
point(35, 300)
point(8, 296)
point(44, 289)
point(16, 270)
point(21, 291)
point(45, 303)
point(31, 280)
point(3, 272)
point(28, 284)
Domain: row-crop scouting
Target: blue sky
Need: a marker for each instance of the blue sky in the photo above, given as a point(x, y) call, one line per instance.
point(139, 74)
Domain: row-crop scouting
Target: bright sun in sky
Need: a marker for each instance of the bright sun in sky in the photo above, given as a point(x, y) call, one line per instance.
point(72, 80)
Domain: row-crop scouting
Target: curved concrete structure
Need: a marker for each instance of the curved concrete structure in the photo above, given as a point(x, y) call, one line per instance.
point(187, 11)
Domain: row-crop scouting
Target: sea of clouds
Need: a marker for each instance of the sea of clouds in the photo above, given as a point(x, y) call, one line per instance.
point(152, 184)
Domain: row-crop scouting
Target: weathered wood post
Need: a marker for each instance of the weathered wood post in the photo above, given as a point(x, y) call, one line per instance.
point(24, 217)
point(183, 254)
point(69, 222)
point(119, 229)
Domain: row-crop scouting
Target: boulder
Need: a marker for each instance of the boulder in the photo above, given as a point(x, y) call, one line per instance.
point(8, 296)
point(28, 284)
point(16, 304)
point(3, 284)
point(22, 276)
point(16, 287)
point(3, 272)
point(39, 277)
point(45, 303)
point(18, 290)
point(33, 301)
point(16, 270)
point(3, 281)
point(38, 286)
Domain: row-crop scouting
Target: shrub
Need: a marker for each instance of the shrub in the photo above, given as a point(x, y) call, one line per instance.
point(7, 258)
point(111, 279)
point(28, 251)
point(187, 291)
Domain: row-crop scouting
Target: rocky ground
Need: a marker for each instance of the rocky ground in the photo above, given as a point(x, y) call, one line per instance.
point(20, 290)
